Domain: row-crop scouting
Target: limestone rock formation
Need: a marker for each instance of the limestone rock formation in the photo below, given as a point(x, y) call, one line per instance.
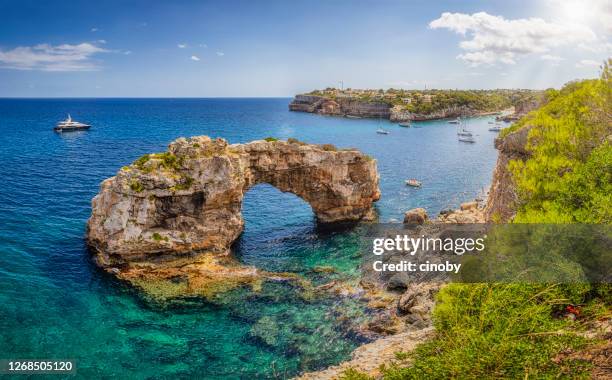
point(173, 216)
point(415, 216)
point(340, 106)
point(501, 203)
point(351, 106)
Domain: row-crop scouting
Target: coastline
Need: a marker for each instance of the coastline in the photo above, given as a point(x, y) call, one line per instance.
point(356, 108)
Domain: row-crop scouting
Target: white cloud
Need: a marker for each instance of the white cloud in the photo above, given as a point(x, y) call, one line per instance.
point(101, 41)
point(220, 53)
point(181, 46)
point(47, 57)
point(203, 45)
point(554, 60)
point(587, 63)
point(597, 13)
point(93, 30)
point(194, 58)
point(493, 39)
point(549, 57)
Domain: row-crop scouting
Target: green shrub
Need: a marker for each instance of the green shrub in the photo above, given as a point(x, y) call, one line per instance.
point(185, 184)
point(353, 374)
point(158, 237)
point(136, 186)
point(491, 331)
point(329, 147)
point(140, 162)
point(169, 161)
point(271, 139)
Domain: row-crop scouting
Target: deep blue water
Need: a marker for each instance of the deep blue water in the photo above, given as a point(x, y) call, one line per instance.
point(55, 304)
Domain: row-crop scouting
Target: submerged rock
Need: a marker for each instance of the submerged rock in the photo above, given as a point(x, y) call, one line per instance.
point(167, 221)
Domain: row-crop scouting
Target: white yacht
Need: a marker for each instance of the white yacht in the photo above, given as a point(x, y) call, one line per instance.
point(468, 139)
point(382, 132)
point(70, 125)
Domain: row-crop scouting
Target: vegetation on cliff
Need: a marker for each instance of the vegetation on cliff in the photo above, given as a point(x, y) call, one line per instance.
point(568, 177)
point(518, 330)
point(430, 101)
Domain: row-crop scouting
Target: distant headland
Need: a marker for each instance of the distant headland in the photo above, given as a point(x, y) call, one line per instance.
point(408, 105)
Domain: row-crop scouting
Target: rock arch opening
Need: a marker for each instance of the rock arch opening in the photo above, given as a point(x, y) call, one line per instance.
point(167, 209)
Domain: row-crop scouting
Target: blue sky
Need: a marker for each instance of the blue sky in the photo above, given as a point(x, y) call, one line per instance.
point(279, 48)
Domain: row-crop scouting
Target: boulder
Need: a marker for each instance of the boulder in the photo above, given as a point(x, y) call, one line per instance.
point(415, 216)
point(469, 206)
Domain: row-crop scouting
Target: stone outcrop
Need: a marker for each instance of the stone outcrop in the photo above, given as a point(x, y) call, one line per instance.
point(347, 106)
point(340, 106)
point(399, 114)
point(415, 216)
point(369, 358)
point(501, 202)
point(172, 217)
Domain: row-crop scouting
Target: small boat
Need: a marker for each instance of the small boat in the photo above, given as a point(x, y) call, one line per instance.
point(70, 125)
point(353, 117)
point(468, 139)
point(456, 121)
point(405, 124)
point(413, 182)
point(496, 128)
point(382, 132)
point(490, 122)
point(464, 132)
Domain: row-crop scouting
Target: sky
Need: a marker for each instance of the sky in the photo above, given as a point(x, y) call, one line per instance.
point(137, 48)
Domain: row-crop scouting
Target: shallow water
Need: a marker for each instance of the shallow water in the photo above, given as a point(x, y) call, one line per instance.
point(55, 304)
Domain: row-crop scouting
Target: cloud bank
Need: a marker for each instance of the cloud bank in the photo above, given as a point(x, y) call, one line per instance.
point(45, 57)
point(492, 39)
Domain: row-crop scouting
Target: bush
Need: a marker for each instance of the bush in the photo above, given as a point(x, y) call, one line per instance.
point(185, 184)
point(493, 331)
point(140, 162)
point(353, 374)
point(329, 147)
point(271, 139)
point(136, 186)
point(158, 237)
point(169, 161)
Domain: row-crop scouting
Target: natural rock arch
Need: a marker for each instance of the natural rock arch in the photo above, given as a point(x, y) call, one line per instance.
point(164, 208)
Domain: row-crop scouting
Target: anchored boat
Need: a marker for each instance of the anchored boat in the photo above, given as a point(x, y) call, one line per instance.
point(382, 132)
point(70, 125)
point(468, 139)
point(413, 182)
point(405, 124)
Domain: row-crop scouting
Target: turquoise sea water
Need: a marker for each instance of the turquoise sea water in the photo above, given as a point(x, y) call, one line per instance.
point(55, 304)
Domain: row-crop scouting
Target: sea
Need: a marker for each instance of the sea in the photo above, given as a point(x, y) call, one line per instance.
point(56, 305)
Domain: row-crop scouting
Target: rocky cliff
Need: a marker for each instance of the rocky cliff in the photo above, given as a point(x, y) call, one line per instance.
point(502, 199)
point(340, 106)
point(167, 221)
point(353, 107)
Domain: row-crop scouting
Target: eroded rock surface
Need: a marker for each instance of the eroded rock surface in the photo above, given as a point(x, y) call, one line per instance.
point(167, 221)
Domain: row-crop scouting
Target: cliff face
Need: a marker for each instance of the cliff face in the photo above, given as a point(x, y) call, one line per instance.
point(354, 107)
point(339, 106)
point(176, 214)
point(502, 200)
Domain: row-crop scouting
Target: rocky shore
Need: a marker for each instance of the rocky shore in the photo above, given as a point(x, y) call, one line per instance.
point(352, 107)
